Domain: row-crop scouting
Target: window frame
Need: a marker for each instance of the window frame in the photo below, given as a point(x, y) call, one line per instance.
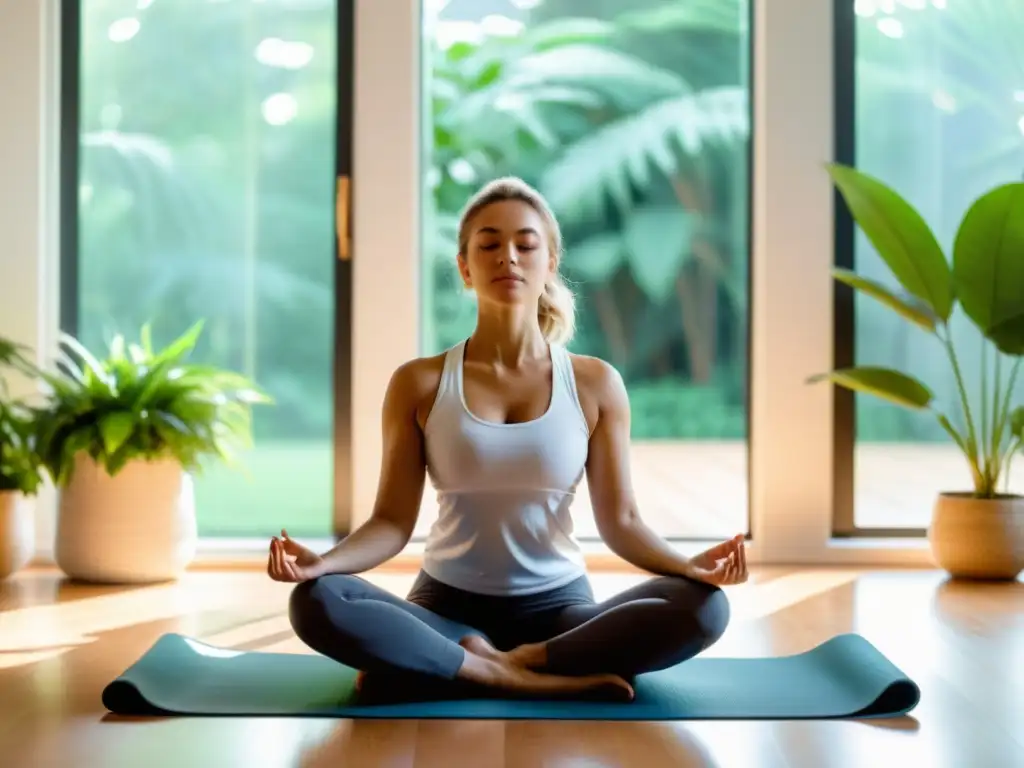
point(386, 334)
point(844, 502)
point(802, 454)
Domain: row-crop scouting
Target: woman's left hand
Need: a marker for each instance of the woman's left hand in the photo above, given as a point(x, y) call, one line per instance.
point(723, 565)
point(291, 562)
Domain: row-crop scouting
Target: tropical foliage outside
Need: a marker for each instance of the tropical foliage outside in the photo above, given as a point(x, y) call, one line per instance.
point(207, 133)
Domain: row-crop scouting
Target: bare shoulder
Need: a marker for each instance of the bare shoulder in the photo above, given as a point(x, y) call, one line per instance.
point(414, 385)
point(418, 374)
point(600, 387)
point(596, 376)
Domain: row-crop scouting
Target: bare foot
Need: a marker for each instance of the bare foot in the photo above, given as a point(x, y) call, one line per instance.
point(527, 656)
point(533, 656)
point(480, 647)
point(520, 681)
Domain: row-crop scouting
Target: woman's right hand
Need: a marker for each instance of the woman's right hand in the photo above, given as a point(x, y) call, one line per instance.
point(291, 562)
point(723, 565)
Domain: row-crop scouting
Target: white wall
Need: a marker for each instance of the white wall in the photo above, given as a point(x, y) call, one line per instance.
point(29, 235)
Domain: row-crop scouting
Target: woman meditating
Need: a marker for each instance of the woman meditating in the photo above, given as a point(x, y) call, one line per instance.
point(506, 424)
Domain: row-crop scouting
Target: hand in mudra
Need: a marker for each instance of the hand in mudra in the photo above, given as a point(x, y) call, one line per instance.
point(289, 561)
point(722, 565)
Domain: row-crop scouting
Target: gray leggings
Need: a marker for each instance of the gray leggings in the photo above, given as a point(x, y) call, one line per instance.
point(654, 625)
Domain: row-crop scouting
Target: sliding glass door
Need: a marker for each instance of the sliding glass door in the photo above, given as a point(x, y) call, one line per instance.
point(634, 120)
point(207, 153)
point(291, 173)
point(953, 129)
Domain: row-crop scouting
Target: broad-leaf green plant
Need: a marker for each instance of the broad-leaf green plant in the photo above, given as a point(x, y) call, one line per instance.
point(984, 278)
point(141, 403)
point(21, 467)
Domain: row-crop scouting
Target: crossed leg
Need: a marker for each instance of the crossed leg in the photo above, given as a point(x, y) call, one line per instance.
point(362, 626)
point(367, 628)
point(651, 626)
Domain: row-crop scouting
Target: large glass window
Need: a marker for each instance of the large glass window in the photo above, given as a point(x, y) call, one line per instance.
point(209, 145)
point(939, 104)
point(633, 119)
point(207, 157)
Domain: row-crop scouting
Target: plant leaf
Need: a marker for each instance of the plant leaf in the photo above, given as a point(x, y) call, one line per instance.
point(657, 244)
point(883, 383)
point(565, 31)
point(699, 16)
point(900, 235)
point(181, 346)
point(146, 339)
point(951, 431)
point(141, 404)
point(596, 258)
point(117, 349)
point(1008, 336)
point(610, 161)
point(90, 365)
point(115, 429)
point(988, 257)
point(596, 66)
point(1017, 422)
point(78, 440)
point(17, 356)
point(911, 309)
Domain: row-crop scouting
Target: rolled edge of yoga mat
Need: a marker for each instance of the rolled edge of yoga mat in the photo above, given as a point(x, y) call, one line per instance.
point(897, 693)
point(844, 677)
point(168, 658)
point(124, 698)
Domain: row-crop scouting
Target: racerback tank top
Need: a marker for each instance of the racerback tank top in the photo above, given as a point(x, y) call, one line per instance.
point(504, 490)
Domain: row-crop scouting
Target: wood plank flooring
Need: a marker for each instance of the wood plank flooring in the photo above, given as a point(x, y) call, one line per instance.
point(60, 643)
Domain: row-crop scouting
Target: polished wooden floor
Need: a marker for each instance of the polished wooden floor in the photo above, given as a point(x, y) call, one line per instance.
point(964, 644)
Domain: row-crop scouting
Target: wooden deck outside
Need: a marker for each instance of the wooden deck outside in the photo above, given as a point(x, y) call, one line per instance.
point(700, 489)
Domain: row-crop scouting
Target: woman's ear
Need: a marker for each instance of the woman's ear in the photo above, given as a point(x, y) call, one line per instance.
point(467, 281)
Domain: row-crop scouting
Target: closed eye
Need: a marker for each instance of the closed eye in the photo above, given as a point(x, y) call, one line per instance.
point(494, 246)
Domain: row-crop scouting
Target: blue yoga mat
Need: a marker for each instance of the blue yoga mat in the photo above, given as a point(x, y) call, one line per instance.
point(844, 677)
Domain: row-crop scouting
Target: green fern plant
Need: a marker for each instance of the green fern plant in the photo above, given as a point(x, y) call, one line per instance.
point(21, 466)
point(985, 278)
point(141, 403)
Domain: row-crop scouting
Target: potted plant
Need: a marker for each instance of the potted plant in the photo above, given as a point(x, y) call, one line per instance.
point(976, 532)
point(121, 437)
point(21, 471)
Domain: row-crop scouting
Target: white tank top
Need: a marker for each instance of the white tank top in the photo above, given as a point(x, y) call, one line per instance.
point(504, 490)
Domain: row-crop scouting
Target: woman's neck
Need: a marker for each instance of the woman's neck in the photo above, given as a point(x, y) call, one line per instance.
point(507, 340)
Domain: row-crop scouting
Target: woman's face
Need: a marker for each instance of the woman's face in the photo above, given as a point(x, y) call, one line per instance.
point(507, 257)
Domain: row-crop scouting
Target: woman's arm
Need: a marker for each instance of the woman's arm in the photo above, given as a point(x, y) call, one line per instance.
point(402, 477)
point(609, 478)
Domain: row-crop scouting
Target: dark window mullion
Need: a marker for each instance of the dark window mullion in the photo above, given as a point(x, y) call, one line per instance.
point(70, 124)
point(343, 480)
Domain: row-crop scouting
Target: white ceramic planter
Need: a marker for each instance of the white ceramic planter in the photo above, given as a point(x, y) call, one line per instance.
point(136, 527)
point(17, 533)
point(978, 538)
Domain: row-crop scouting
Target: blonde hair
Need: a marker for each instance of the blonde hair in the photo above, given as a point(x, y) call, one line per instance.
point(556, 311)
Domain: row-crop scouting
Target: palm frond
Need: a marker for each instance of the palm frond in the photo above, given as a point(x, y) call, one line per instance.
point(610, 162)
point(694, 16)
point(615, 75)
